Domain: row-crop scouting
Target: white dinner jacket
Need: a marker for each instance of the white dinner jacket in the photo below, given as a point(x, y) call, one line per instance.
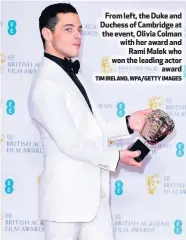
point(74, 146)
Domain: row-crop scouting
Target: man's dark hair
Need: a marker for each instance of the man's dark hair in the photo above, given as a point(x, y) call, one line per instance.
point(49, 17)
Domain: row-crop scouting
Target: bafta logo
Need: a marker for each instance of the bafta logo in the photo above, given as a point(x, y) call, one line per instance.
point(38, 180)
point(2, 139)
point(2, 61)
point(155, 102)
point(105, 65)
point(152, 183)
point(111, 142)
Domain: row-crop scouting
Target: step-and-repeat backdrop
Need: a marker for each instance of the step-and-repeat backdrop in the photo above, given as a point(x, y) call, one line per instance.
point(132, 58)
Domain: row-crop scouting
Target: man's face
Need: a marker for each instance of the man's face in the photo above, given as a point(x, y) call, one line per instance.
point(66, 39)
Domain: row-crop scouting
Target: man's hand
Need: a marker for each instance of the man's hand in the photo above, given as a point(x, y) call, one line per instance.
point(137, 119)
point(127, 157)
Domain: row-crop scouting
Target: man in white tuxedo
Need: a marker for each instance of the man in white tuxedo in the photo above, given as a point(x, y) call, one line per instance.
point(74, 185)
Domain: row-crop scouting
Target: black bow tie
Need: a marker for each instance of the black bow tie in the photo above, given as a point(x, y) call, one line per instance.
point(71, 66)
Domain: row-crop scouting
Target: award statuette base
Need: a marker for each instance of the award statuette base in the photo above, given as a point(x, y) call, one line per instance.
point(139, 145)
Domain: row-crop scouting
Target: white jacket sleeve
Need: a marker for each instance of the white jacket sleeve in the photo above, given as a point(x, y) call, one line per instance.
point(117, 129)
point(51, 112)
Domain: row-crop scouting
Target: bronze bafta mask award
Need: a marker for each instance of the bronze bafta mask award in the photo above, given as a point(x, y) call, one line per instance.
point(158, 125)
